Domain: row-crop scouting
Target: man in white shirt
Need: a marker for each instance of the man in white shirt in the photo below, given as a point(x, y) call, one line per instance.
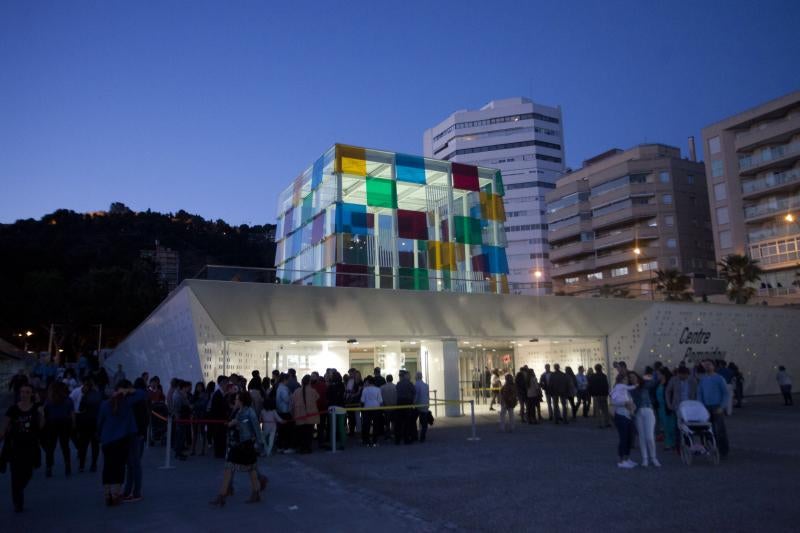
point(370, 399)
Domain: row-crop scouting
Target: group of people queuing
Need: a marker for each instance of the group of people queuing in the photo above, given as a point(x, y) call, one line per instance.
point(82, 408)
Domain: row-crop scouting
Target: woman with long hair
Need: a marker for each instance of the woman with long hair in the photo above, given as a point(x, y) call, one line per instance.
point(645, 415)
point(116, 424)
point(243, 434)
point(534, 398)
point(305, 414)
point(572, 383)
point(58, 414)
point(199, 401)
point(20, 432)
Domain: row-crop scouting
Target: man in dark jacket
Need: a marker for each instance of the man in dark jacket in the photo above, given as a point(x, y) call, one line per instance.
point(406, 426)
point(219, 411)
point(559, 391)
point(544, 383)
point(598, 390)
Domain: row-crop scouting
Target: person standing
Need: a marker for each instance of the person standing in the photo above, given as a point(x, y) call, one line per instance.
point(521, 382)
point(133, 467)
point(645, 418)
point(377, 378)
point(323, 427)
point(508, 400)
point(404, 419)
point(305, 414)
point(533, 394)
point(422, 401)
point(58, 415)
point(199, 404)
point(389, 396)
point(712, 391)
point(559, 390)
point(623, 408)
point(785, 383)
point(584, 399)
point(283, 405)
point(115, 424)
point(86, 423)
point(372, 420)
point(544, 382)
point(598, 390)
point(20, 433)
point(665, 414)
point(219, 412)
point(572, 382)
point(496, 385)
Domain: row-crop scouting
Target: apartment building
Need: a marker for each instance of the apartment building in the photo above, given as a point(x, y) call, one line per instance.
point(753, 169)
point(625, 214)
point(525, 140)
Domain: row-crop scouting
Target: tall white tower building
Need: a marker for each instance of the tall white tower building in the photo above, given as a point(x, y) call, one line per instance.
point(525, 140)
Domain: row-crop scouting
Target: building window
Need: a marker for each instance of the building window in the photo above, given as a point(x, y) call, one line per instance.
point(722, 215)
point(617, 272)
point(666, 199)
point(594, 276)
point(725, 239)
point(663, 177)
point(720, 192)
point(717, 168)
point(571, 281)
point(673, 262)
point(689, 179)
point(644, 267)
point(669, 220)
point(671, 243)
point(713, 145)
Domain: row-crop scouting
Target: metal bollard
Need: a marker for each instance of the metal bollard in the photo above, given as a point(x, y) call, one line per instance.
point(332, 424)
point(472, 414)
point(167, 458)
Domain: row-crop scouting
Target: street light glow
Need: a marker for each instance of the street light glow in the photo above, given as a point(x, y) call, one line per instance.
point(537, 274)
point(637, 251)
point(789, 217)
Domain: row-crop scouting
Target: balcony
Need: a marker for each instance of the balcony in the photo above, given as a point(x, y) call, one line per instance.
point(774, 157)
point(634, 212)
point(760, 211)
point(572, 230)
point(771, 183)
point(625, 191)
point(777, 131)
point(626, 235)
point(566, 269)
point(571, 250)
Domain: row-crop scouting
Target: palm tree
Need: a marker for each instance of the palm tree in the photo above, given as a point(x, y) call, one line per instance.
point(739, 271)
point(607, 291)
point(673, 284)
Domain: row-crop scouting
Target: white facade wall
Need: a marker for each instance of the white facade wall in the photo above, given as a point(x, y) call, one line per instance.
point(525, 206)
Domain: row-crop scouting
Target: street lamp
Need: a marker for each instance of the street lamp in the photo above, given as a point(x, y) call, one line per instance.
point(25, 336)
point(789, 217)
point(637, 252)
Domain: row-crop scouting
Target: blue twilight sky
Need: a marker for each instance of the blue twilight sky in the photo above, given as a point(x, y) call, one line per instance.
point(213, 107)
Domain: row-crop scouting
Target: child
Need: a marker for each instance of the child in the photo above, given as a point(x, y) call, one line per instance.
point(269, 426)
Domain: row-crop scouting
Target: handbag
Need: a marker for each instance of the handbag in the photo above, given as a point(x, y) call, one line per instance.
point(429, 417)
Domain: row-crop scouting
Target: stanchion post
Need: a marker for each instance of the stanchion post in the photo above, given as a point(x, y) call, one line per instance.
point(435, 405)
point(167, 458)
point(332, 424)
point(472, 414)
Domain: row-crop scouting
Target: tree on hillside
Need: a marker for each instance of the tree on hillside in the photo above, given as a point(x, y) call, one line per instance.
point(673, 284)
point(739, 272)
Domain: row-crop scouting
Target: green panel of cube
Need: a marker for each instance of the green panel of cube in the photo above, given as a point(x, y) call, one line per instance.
point(468, 230)
point(381, 193)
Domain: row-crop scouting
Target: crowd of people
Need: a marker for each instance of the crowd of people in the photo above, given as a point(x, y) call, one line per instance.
point(239, 420)
point(234, 418)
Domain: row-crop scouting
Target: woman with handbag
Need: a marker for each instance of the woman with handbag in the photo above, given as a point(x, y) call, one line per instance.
point(243, 434)
point(20, 433)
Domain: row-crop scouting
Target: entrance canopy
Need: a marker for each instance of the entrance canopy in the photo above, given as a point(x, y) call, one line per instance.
point(261, 311)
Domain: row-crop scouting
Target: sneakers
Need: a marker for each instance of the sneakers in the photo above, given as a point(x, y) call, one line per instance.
point(644, 464)
point(626, 464)
point(656, 463)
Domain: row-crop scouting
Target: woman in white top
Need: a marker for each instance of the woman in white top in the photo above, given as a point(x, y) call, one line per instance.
point(623, 408)
point(371, 398)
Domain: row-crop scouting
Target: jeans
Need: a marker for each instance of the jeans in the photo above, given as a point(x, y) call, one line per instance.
point(624, 428)
point(601, 410)
point(423, 424)
point(87, 435)
point(720, 432)
point(646, 427)
point(534, 411)
point(133, 468)
point(560, 415)
point(115, 455)
point(370, 426)
point(586, 400)
point(549, 406)
point(286, 431)
point(786, 390)
point(522, 398)
point(21, 473)
point(509, 412)
point(57, 432)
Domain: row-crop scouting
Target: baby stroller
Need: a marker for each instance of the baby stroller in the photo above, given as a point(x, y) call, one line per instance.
point(697, 434)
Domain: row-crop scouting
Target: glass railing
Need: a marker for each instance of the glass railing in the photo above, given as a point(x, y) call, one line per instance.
point(773, 207)
point(768, 155)
point(772, 180)
point(770, 232)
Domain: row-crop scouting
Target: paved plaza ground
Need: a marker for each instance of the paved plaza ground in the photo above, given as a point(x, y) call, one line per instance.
point(545, 478)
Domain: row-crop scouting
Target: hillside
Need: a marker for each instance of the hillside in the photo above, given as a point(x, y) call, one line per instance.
point(77, 270)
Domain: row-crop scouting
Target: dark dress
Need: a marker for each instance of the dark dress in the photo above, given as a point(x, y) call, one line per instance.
point(21, 450)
